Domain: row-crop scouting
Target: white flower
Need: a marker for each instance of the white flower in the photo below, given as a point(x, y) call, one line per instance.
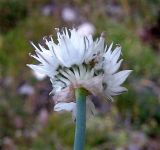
point(68, 14)
point(86, 29)
point(79, 61)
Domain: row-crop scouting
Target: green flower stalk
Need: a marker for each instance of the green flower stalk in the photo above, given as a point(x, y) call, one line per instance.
point(79, 140)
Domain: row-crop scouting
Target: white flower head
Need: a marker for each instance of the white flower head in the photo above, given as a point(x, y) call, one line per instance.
point(79, 61)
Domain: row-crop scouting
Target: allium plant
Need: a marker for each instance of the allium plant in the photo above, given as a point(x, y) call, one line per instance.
point(79, 67)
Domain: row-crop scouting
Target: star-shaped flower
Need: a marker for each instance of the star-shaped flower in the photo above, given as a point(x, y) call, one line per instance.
point(79, 61)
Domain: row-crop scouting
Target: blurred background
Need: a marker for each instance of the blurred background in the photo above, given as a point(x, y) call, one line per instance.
point(27, 120)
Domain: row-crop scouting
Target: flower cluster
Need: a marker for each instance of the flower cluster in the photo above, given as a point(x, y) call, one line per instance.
point(79, 61)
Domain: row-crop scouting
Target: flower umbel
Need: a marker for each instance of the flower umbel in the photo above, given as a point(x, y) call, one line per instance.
point(78, 61)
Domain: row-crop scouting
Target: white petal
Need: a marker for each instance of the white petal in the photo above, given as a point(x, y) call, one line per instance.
point(108, 53)
point(42, 70)
point(73, 48)
point(70, 107)
point(116, 54)
point(66, 81)
point(76, 72)
point(115, 67)
point(82, 71)
point(65, 106)
point(116, 90)
point(120, 77)
point(111, 68)
point(61, 55)
point(66, 75)
point(38, 75)
point(34, 46)
point(71, 74)
point(100, 45)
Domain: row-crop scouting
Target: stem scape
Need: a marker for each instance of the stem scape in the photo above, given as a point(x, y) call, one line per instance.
point(79, 140)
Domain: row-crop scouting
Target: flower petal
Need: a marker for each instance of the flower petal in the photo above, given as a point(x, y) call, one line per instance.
point(116, 90)
point(65, 106)
point(120, 77)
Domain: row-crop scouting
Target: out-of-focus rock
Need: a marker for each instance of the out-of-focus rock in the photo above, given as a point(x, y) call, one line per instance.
point(8, 144)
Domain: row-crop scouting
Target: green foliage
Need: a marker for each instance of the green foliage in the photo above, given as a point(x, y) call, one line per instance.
point(11, 12)
point(16, 44)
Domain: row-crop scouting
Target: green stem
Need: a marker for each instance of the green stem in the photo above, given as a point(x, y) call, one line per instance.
point(79, 140)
